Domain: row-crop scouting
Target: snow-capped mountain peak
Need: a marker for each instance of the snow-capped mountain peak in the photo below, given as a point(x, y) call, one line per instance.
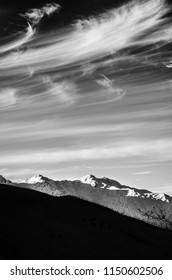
point(35, 179)
point(44, 184)
point(89, 179)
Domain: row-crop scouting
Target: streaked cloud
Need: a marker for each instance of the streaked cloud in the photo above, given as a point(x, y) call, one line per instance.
point(142, 172)
point(59, 90)
point(96, 37)
point(157, 150)
point(86, 42)
point(23, 39)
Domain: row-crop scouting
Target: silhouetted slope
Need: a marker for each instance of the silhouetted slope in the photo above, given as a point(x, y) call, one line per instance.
point(152, 208)
point(39, 226)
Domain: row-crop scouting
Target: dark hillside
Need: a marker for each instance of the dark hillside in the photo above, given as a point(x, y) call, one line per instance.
point(39, 226)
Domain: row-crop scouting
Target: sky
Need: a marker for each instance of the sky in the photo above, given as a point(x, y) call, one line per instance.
point(86, 88)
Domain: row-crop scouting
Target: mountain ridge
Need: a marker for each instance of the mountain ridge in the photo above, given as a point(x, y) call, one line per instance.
point(3, 180)
point(152, 208)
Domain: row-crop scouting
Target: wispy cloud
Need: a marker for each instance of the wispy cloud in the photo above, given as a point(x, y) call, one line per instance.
point(86, 42)
point(64, 92)
point(157, 150)
point(108, 84)
point(88, 69)
point(92, 38)
point(105, 82)
point(7, 97)
point(23, 39)
point(143, 173)
point(35, 15)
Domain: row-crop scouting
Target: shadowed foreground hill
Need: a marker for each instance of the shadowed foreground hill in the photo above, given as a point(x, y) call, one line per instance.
point(39, 226)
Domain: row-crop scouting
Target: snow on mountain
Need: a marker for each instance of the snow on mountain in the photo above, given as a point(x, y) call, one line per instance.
point(152, 208)
point(132, 192)
point(156, 196)
point(103, 183)
point(89, 179)
point(35, 179)
point(43, 184)
point(112, 185)
point(112, 188)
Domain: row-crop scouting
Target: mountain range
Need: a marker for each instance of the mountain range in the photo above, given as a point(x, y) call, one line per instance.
point(89, 218)
point(141, 204)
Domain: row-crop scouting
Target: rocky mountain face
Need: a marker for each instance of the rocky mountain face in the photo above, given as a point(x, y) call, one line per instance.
point(4, 181)
point(152, 208)
point(44, 185)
